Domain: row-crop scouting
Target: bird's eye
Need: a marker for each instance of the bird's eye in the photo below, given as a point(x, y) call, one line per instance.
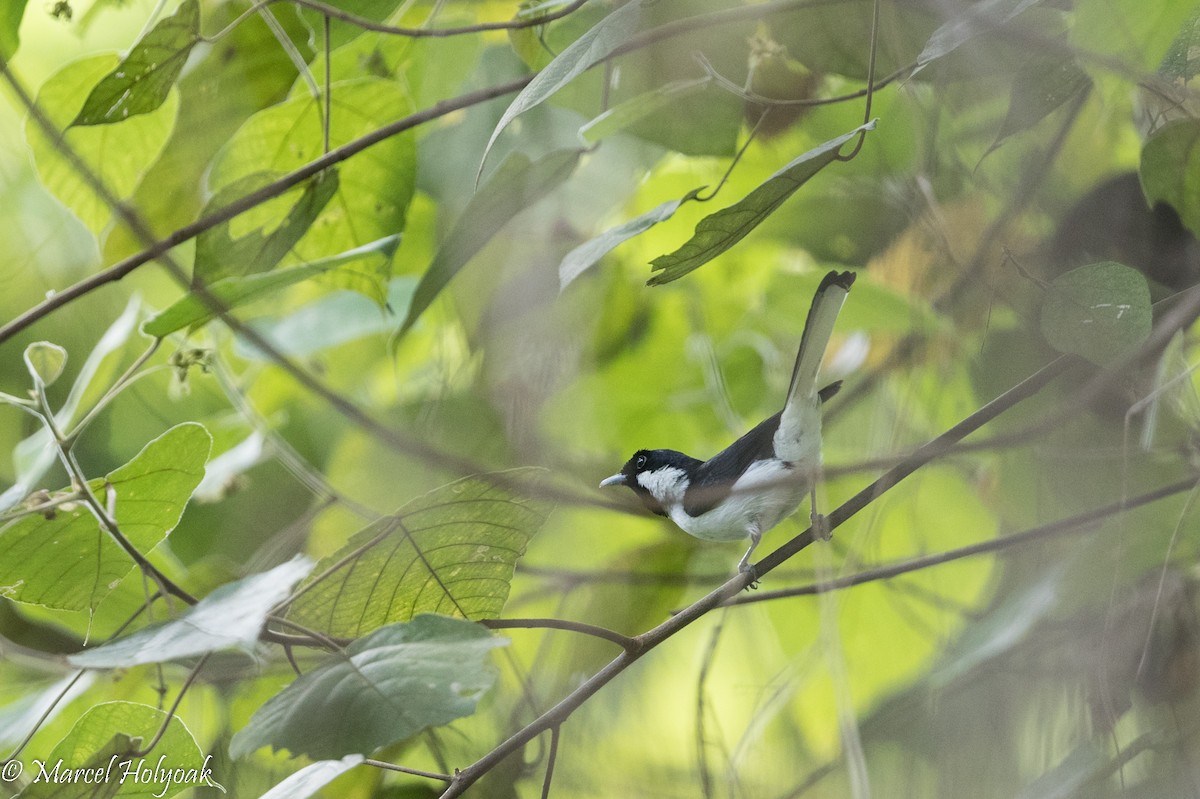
point(640, 462)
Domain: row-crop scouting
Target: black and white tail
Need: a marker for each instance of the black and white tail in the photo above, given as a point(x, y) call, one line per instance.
point(818, 328)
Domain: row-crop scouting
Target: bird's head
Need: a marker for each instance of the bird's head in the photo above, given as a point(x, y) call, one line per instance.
point(658, 476)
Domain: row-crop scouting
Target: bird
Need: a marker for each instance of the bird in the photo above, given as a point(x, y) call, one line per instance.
point(760, 479)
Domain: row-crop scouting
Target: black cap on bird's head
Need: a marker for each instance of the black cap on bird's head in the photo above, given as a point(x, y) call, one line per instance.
point(648, 461)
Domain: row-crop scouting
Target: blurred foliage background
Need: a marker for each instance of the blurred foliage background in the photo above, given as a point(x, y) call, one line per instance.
point(1015, 142)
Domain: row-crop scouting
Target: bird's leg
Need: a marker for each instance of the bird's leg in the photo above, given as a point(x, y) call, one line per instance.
point(744, 565)
point(820, 522)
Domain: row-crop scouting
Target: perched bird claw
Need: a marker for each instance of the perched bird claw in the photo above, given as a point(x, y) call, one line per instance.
point(820, 527)
point(748, 568)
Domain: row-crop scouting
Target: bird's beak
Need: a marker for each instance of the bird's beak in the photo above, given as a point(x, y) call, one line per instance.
point(617, 479)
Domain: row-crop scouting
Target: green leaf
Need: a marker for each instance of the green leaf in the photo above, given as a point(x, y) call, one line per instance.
point(635, 109)
point(312, 778)
point(1039, 87)
point(1101, 312)
point(451, 551)
point(977, 19)
point(62, 560)
point(331, 320)
point(1170, 169)
point(192, 312)
point(119, 154)
point(34, 456)
point(144, 78)
point(219, 254)
point(45, 362)
point(232, 615)
point(120, 728)
point(1182, 61)
point(719, 231)
point(1136, 33)
point(514, 186)
point(11, 13)
point(384, 688)
point(580, 259)
point(374, 188)
point(585, 52)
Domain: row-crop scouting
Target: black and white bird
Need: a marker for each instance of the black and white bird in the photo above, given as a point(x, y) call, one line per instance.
point(760, 479)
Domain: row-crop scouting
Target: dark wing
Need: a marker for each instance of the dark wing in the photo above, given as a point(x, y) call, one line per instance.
point(713, 479)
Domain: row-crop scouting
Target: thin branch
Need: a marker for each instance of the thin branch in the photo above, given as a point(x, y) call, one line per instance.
point(191, 678)
point(416, 772)
point(628, 643)
point(551, 759)
point(1073, 525)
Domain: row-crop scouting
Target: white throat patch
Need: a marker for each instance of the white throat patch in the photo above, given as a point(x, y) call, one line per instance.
point(666, 484)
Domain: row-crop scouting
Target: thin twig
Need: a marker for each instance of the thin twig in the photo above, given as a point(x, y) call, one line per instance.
point(624, 641)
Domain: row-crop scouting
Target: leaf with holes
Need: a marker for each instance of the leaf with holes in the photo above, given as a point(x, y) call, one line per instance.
point(1101, 312)
point(232, 615)
point(383, 688)
point(60, 559)
point(143, 79)
point(451, 551)
point(719, 231)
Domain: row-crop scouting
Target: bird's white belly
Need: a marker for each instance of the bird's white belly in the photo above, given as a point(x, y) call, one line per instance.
point(763, 496)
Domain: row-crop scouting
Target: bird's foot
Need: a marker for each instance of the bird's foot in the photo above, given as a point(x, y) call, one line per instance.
point(748, 568)
point(820, 527)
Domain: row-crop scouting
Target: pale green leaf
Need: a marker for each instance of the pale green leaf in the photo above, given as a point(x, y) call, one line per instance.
point(312, 778)
point(584, 53)
point(1040, 86)
point(232, 615)
point(11, 13)
point(451, 551)
point(374, 188)
point(45, 362)
point(583, 257)
point(1100, 311)
point(383, 688)
point(978, 19)
point(515, 185)
point(719, 231)
point(119, 154)
point(621, 116)
point(63, 560)
point(144, 78)
point(192, 312)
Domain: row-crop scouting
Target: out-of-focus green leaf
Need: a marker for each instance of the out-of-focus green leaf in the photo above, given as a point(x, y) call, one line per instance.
point(312, 778)
point(219, 254)
point(580, 259)
point(1100, 311)
point(828, 37)
point(331, 320)
point(1170, 160)
point(1041, 86)
point(976, 20)
point(121, 728)
point(515, 185)
point(45, 362)
point(719, 231)
point(1137, 33)
point(451, 551)
point(33, 456)
point(11, 12)
point(143, 79)
point(584, 53)
point(119, 153)
point(384, 688)
point(340, 31)
point(232, 615)
point(622, 115)
point(374, 188)
point(63, 560)
point(192, 311)
point(1086, 763)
